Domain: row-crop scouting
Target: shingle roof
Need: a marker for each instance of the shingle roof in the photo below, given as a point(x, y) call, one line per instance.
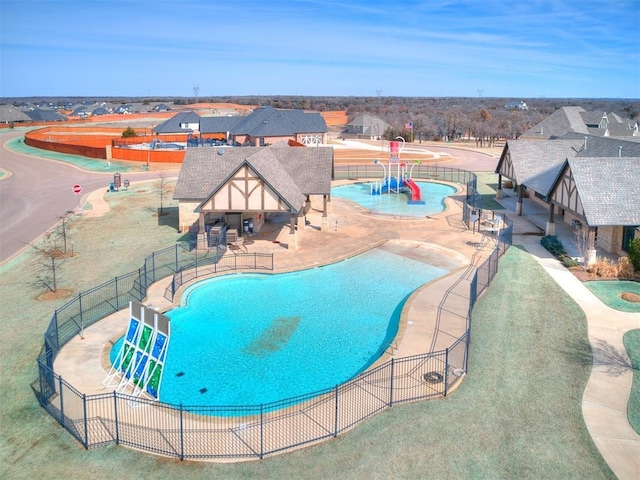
point(40, 115)
point(9, 113)
point(293, 172)
point(271, 122)
point(578, 120)
point(218, 124)
point(172, 125)
point(532, 157)
point(608, 203)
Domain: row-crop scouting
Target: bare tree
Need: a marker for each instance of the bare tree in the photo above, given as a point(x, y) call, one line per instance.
point(48, 259)
point(162, 188)
point(585, 241)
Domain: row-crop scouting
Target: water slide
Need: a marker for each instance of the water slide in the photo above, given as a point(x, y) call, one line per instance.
point(140, 361)
point(416, 196)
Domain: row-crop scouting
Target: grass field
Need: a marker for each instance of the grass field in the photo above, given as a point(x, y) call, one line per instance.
point(516, 415)
point(631, 341)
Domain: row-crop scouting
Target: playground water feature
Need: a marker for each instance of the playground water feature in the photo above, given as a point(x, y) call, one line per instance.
point(432, 193)
point(250, 339)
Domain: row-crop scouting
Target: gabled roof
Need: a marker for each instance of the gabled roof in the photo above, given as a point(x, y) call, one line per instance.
point(40, 115)
point(368, 125)
point(266, 165)
point(172, 125)
point(560, 122)
point(607, 203)
point(578, 120)
point(270, 122)
point(9, 113)
point(530, 158)
point(291, 171)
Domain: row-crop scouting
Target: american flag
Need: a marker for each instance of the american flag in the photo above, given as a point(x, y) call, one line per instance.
point(408, 126)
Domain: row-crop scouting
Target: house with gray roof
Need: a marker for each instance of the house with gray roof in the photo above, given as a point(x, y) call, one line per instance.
point(226, 186)
point(578, 120)
point(589, 182)
point(262, 127)
point(365, 126)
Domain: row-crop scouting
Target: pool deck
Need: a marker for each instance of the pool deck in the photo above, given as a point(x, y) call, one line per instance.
point(425, 326)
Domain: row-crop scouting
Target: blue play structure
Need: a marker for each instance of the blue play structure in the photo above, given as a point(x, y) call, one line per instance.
point(139, 364)
point(399, 183)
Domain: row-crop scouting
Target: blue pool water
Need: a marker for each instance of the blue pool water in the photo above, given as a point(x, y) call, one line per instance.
point(247, 339)
point(396, 204)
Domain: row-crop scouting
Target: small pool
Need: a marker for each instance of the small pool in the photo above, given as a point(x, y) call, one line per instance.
point(611, 293)
point(247, 339)
point(432, 193)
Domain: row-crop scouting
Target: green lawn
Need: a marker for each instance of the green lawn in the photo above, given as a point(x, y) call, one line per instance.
point(631, 341)
point(516, 415)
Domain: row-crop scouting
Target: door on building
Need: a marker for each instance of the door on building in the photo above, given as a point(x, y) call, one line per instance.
point(628, 234)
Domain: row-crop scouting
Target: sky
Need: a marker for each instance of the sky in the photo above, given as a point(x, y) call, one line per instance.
point(440, 48)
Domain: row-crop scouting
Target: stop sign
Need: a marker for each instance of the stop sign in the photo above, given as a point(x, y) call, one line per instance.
point(77, 189)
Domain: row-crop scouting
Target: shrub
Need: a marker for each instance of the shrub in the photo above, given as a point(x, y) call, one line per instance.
point(569, 262)
point(625, 268)
point(129, 133)
point(634, 253)
point(553, 245)
point(604, 268)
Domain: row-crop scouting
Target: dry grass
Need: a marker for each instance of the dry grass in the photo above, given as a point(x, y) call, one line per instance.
point(606, 268)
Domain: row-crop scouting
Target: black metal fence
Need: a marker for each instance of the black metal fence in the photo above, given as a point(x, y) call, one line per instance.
point(245, 431)
point(424, 172)
point(203, 267)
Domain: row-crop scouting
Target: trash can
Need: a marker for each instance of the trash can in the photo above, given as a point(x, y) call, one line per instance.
point(111, 187)
point(245, 224)
point(251, 225)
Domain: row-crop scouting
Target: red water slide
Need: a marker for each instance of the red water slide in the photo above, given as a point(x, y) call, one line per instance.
point(415, 191)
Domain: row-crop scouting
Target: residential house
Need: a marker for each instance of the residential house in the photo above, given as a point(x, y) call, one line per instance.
point(578, 120)
point(365, 126)
point(586, 181)
point(262, 127)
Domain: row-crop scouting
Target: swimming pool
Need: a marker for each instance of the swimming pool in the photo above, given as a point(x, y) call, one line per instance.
point(247, 339)
point(432, 193)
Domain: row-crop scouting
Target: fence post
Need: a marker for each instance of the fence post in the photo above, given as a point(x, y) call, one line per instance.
point(117, 299)
point(86, 422)
point(446, 370)
point(115, 415)
point(61, 402)
point(391, 387)
point(181, 434)
point(176, 256)
point(335, 429)
point(81, 315)
point(261, 431)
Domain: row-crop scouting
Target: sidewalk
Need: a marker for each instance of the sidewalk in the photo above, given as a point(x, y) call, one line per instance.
point(604, 402)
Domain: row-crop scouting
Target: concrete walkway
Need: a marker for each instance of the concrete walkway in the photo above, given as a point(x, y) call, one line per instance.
point(605, 399)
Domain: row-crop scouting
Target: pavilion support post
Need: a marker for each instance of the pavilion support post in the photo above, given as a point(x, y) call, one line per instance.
point(550, 227)
point(307, 205)
point(499, 190)
point(327, 204)
point(324, 226)
point(201, 240)
point(293, 236)
point(519, 201)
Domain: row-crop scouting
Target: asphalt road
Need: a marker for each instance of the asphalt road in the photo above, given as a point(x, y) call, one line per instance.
point(35, 193)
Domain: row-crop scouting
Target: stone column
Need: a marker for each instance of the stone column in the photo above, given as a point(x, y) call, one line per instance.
point(499, 191)
point(519, 201)
point(293, 236)
point(550, 227)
